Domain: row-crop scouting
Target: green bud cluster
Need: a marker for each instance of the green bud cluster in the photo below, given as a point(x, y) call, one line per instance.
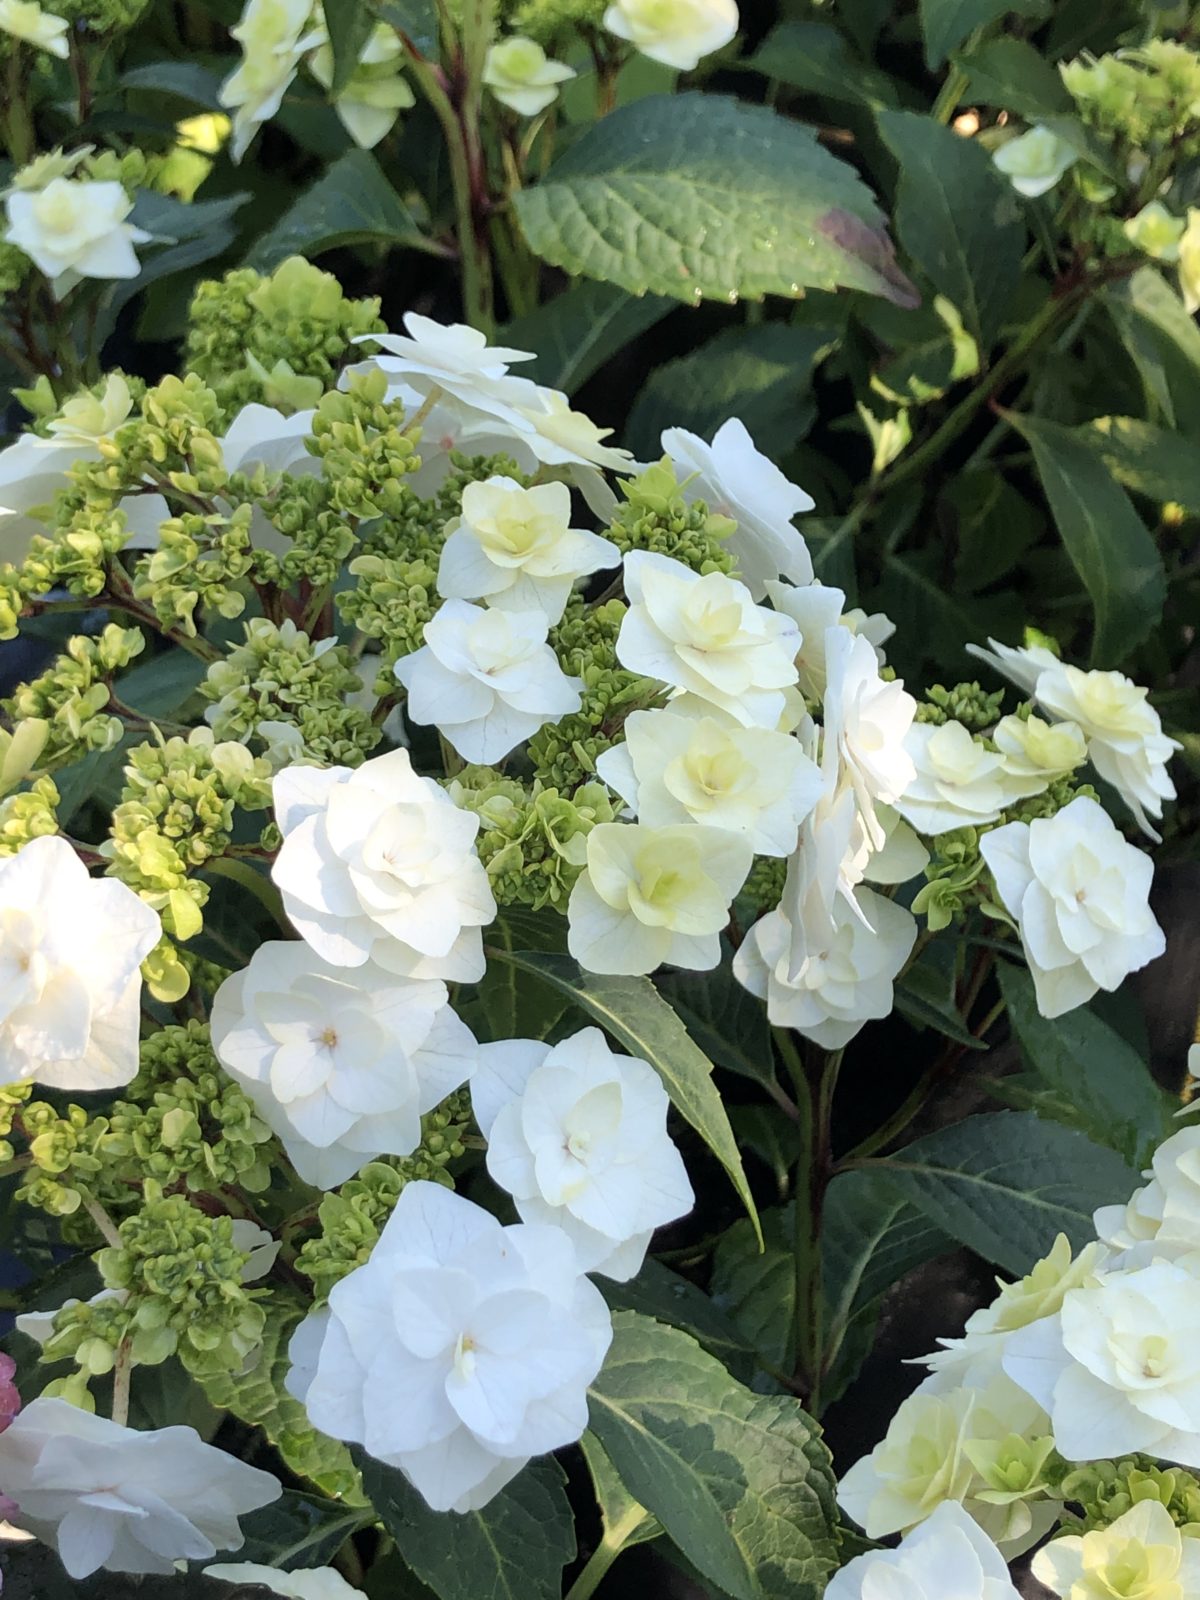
point(102, 16)
point(531, 839)
point(73, 694)
point(68, 1161)
point(555, 22)
point(175, 814)
point(352, 1219)
point(656, 516)
point(1057, 794)
point(201, 559)
point(764, 887)
point(88, 1332)
point(585, 641)
point(1146, 99)
point(12, 1097)
point(955, 878)
point(15, 268)
point(1106, 1490)
point(966, 703)
point(367, 455)
point(279, 675)
point(279, 339)
point(183, 1275)
point(28, 815)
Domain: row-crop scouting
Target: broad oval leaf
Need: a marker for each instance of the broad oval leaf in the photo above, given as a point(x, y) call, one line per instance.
point(741, 1482)
point(946, 23)
point(700, 197)
point(1162, 465)
point(815, 58)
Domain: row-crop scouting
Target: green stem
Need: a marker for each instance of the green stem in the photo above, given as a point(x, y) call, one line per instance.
point(950, 94)
point(122, 1372)
point(605, 1553)
point(18, 124)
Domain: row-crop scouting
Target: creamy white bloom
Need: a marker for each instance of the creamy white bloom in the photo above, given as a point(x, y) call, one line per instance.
point(706, 636)
point(377, 92)
point(947, 1558)
point(1162, 1218)
point(578, 1136)
point(107, 1496)
point(675, 768)
point(738, 481)
point(1037, 752)
point(457, 361)
point(488, 680)
point(520, 75)
point(1142, 1555)
point(74, 229)
point(304, 1583)
point(1035, 161)
point(1080, 896)
point(958, 782)
point(1156, 231)
point(1126, 744)
point(71, 947)
point(515, 548)
point(341, 1063)
point(679, 33)
point(1118, 1368)
point(1021, 664)
point(379, 864)
point(815, 608)
point(654, 895)
point(458, 1351)
point(25, 20)
point(865, 729)
point(274, 35)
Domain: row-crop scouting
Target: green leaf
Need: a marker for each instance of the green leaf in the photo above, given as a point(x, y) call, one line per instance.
point(922, 997)
point(625, 1521)
point(1099, 1082)
point(741, 1482)
point(1164, 343)
point(299, 1531)
point(698, 196)
point(512, 1004)
point(1163, 466)
point(757, 1288)
point(1011, 73)
point(662, 1294)
point(958, 219)
point(641, 1021)
point(1105, 538)
point(349, 24)
point(573, 335)
point(416, 20)
point(1004, 1183)
point(185, 79)
point(726, 1021)
point(946, 23)
point(351, 203)
point(817, 59)
point(515, 1548)
point(994, 526)
point(762, 375)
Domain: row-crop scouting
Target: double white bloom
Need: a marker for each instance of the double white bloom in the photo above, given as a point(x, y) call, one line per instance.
point(107, 1496)
point(458, 1351)
point(578, 1136)
point(488, 680)
point(75, 228)
point(676, 32)
point(1162, 1218)
point(1035, 161)
point(959, 782)
point(274, 36)
point(866, 724)
point(520, 75)
point(379, 864)
point(341, 1064)
point(946, 1558)
point(1080, 896)
point(1141, 1554)
point(70, 986)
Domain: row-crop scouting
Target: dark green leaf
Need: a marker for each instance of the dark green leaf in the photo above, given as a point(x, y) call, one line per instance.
point(349, 24)
point(1011, 73)
point(761, 374)
point(1105, 538)
point(33, 1572)
point(512, 1004)
point(299, 1531)
point(1164, 342)
point(757, 1288)
point(726, 1021)
point(946, 23)
point(1005, 1183)
point(185, 79)
point(957, 218)
point(870, 1238)
point(160, 686)
point(416, 20)
point(698, 197)
point(741, 1482)
point(922, 997)
point(994, 526)
point(662, 1294)
point(577, 332)
point(815, 58)
point(1161, 465)
point(515, 1548)
point(625, 1521)
point(926, 608)
point(641, 1021)
point(1101, 1083)
point(352, 203)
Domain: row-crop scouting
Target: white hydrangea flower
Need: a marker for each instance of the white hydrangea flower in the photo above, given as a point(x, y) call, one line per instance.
point(578, 1136)
point(1020, 664)
point(562, 437)
point(520, 75)
point(455, 360)
point(679, 33)
point(368, 105)
point(676, 767)
point(1155, 231)
point(107, 1496)
point(379, 864)
point(815, 608)
point(73, 229)
point(1116, 1368)
point(274, 36)
point(515, 548)
point(25, 20)
point(738, 481)
point(948, 1557)
point(1080, 896)
point(1035, 161)
point(1162, 1218)
point(1126, 744)
point(1037, 752)
point(71, 948)
point(458, 1351)
point(706, 636)
point(487, 680)
point(958, 783)
point(304, 1583)
point(1142, 1554)
point(340, 1063)
point(655, 895)
point(865, 729)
